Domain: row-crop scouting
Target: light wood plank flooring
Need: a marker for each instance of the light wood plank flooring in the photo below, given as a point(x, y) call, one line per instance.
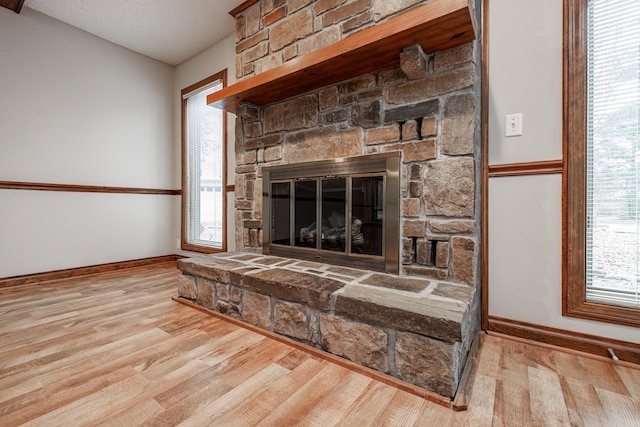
point(115, 350)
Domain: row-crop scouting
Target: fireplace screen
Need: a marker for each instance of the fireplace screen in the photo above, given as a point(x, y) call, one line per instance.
point(343, 211)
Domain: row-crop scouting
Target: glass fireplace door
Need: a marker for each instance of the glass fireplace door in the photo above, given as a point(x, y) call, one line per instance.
point(367, 215)
point(341, 211)
point(305, 213)
point(351, 211)
point(281, 213)
point(334, 211)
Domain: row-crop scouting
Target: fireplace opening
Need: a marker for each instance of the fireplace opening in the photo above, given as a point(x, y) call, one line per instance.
point(343, 211)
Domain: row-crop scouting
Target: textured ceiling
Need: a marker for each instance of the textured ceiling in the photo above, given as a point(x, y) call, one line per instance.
point(167, 30)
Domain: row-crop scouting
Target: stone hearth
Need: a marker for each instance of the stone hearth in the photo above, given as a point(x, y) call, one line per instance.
point(415, 329)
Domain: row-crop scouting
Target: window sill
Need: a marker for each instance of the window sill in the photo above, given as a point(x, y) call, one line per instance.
point(602, 312)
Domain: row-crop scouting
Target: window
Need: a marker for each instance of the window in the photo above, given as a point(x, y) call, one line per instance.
point(203, 168)
point(602, 161)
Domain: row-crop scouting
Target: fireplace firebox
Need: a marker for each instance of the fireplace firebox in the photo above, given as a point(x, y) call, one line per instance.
point(342, 211)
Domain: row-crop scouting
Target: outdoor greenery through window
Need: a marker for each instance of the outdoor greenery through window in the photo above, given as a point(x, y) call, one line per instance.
point(613, 152)
point(203, 189)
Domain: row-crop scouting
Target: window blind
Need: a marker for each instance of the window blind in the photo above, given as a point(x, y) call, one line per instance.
point(613, 152)
point(204, 156)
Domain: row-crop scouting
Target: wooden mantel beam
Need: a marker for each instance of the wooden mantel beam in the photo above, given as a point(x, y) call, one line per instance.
point(435, 26)
point(15, 5)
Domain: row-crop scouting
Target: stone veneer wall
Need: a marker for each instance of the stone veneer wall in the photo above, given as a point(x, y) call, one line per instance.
point(272, 32)
point(430, 118)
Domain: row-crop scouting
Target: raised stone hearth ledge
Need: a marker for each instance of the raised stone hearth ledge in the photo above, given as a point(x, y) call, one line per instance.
point(415, 329)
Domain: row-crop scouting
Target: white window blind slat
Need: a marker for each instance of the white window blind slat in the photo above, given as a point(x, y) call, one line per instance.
point(613, 152)
point(204, 130)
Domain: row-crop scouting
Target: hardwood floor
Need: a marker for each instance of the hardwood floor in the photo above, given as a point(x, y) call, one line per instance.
point(115, 350)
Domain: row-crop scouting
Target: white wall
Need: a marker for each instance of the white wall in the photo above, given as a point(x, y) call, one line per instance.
point(525, 213)
point(218, 57)
point(75, 109)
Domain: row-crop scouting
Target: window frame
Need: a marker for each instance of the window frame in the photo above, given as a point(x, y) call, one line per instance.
point(574, 219)
point(184, 245)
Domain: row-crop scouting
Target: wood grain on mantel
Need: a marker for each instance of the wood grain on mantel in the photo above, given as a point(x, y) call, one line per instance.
point(244, 6)
point(15, 5)
point(436, 26)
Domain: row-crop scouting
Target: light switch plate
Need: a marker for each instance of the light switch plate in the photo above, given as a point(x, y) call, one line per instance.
point(513, 125)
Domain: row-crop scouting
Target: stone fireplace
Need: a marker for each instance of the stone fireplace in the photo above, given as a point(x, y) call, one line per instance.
point(289, 276)
point(430, 118)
